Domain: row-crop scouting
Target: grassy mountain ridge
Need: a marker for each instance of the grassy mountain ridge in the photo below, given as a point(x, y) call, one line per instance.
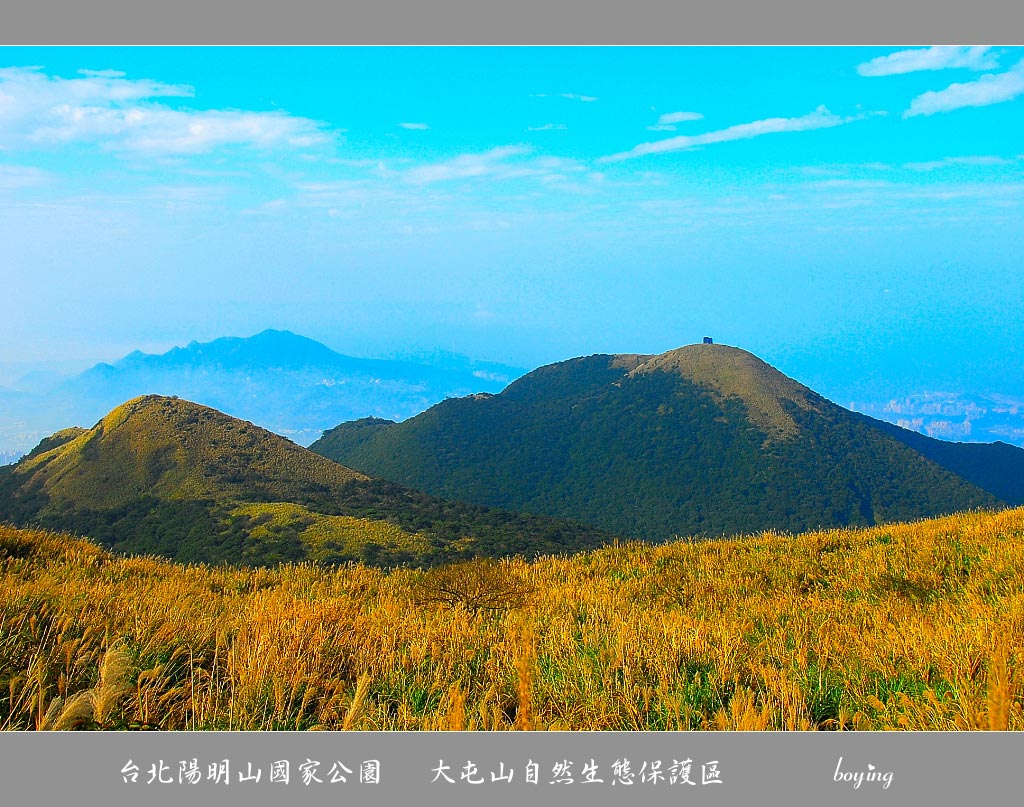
point(174, 449)
point(55, 440)
point(169, 476)
point(706, 439)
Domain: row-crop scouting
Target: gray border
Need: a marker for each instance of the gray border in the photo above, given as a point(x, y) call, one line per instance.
point(937, 768)
point(798, 768)
point(499, 22)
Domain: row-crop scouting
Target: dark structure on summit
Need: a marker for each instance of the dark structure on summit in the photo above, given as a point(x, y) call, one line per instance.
point(708, 340)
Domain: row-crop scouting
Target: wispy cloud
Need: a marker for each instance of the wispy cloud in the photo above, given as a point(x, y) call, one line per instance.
point(414, 126)
point(666, 123)
point(838, 169)
point(119, 114)
point(949, 162)
point(504, 163)
point(16, 177)
point(991, 88)
point(821, 118)
point(182, 197)
point(547, 127)
point(572, 96)
point(466, 166)
point(935, 58)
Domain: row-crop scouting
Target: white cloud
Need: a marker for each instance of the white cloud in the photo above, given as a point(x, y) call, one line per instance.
point(102, 73)
point(991, 88)
point(666, 123)
point(414, 126)
point(504, 163)
point(31, 88)
point(847, 184)
point(121, 115)
point(547, 127)
point(466, 166)
point(679, 117)
point(935, 58)
point(821, 118)
point(947, 162)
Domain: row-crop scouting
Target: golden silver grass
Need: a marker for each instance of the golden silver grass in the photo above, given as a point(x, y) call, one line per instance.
point(94, 705)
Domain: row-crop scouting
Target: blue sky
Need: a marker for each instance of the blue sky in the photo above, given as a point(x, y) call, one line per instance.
point(852, 215)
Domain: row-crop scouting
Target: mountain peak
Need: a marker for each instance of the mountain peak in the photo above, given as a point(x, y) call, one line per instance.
point(173, 448)
point(269, 347)
point(730, 371)
point(144, 408)
point(275, 335)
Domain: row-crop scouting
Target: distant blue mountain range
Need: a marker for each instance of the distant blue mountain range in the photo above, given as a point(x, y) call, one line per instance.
point(284, 382)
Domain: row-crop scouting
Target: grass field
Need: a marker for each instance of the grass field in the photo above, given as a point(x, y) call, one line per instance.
point(909, 626)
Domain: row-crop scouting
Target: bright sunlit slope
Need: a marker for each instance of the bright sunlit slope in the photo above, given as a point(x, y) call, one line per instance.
point(164, 475)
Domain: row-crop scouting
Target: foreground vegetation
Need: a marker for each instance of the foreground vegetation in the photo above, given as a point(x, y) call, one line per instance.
point(909, 626)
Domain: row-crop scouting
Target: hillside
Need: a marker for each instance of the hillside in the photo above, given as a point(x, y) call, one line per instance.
point(703, 440)
point(995, 467)
point(902, 627)
point(167, 476)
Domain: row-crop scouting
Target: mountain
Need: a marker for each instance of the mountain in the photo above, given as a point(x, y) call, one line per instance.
point(166, 476)
point(702, 440)
point(284, 382)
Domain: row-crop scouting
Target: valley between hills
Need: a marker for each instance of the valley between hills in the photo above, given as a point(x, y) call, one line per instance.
point(684, 541)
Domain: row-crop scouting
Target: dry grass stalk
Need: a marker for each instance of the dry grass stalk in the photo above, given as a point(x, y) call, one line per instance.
point(454, 719)
point(999, 697)
point(355, 710)
point(525, 716)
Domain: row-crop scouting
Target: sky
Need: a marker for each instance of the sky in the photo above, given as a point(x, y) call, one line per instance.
point(852, 215)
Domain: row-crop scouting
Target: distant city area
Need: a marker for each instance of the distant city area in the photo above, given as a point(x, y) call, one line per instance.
point(17, 438)
point(8, 457)
point(953, 416)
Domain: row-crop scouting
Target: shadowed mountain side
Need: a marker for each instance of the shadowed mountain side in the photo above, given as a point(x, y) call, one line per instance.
point(705, 440)
point(350, 436)
point(167, 476)
point(995, 467)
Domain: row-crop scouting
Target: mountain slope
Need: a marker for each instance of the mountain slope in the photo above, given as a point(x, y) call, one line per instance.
point(995, 467)
point(167, 476)
point(706, 439)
